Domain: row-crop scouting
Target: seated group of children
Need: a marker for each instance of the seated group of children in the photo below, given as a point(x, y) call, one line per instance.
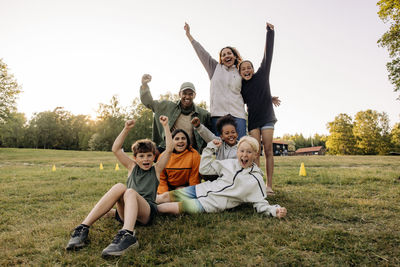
point(228, 165)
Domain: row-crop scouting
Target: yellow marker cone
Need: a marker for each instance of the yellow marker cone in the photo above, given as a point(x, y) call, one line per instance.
point(302, 171)
point(101, 166)
point(116, 167)
point(54, 168)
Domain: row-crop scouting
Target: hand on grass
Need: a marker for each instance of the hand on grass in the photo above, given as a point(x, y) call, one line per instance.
point(281, 212)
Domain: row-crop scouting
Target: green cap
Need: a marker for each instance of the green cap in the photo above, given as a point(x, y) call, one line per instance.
point(187, 85)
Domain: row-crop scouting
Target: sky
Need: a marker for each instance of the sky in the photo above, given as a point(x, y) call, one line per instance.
point(79, 53)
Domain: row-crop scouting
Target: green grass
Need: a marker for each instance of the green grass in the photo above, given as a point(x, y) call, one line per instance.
point(345, 212)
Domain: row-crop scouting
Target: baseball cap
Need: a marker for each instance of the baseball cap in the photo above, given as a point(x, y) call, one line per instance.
point(187, 85)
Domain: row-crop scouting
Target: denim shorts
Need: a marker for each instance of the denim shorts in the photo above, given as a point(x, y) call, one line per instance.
point(268, 125)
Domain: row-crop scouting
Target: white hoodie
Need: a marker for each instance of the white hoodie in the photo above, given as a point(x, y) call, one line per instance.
point(234, 186)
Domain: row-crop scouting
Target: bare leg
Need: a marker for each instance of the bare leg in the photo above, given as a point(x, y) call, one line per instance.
point(257, 135)
point(135, 207)
point(105, 203)
point(162, 198)
point(267, 137)
point(170, 207)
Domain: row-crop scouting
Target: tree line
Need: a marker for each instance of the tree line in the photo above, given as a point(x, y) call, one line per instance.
point(368, 134)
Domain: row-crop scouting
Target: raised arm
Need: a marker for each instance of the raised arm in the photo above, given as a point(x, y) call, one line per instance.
point(203, 131)
point(208, 163)
point(208, 62)
point(145, 94)
point(269, 49)
point(165, 156)
point(117, 146)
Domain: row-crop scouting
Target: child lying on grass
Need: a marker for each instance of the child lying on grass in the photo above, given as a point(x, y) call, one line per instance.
point(136, 201)
point(240, 181)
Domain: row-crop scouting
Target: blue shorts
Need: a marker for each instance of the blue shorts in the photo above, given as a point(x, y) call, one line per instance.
point(268, 125)
point(187, 199)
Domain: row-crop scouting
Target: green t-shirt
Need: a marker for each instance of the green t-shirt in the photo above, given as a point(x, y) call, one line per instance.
point(144, 182)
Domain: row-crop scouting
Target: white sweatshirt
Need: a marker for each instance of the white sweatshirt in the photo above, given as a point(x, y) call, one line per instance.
point(234, 186)
point(225, 87)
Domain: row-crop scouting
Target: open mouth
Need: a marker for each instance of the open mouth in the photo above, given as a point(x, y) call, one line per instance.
point(228, 60)
point(244, 162)
point(146, 164)
point(180, 146)
point(247, 75)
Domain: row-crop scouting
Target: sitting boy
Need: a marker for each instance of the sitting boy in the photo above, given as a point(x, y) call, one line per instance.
point(240, 181)
point(136, 201)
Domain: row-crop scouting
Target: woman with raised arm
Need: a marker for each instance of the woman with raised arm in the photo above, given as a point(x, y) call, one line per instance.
point(256, 93)
point(225, 86)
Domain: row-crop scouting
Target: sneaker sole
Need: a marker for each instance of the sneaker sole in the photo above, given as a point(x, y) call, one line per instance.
point(119, 253)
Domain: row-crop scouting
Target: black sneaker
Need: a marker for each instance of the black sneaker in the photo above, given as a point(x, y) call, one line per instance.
point(78, 238)
point(121, 243)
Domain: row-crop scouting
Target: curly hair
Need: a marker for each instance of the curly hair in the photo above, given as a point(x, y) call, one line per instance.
point(225, 120)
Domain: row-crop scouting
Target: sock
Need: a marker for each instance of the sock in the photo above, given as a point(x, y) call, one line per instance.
point(84, 225)
point(131, 232)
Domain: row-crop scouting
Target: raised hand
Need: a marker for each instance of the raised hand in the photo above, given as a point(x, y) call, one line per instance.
point(129, 124)
point(281, 212)
point(217, 142)
point(196, 122)
point(146, 78)
point(187, 30)
point(269, 25)
point(164, 120)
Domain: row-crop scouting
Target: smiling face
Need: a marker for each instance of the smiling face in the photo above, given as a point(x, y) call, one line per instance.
point(229, 134)
point(187, 97)
point(144, 160)
point(180, 142)
point(246, 70)
point(227, 57)
point(246, 155)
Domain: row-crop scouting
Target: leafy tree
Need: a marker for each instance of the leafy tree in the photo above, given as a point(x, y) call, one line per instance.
point(111, 119)
point(12, 131)
point(389, 12)
point(395, 137)
point(341, 139)
point(9, 90)
point(371, 130)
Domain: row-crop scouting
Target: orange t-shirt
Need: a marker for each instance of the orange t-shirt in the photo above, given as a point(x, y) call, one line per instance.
point(182, 170)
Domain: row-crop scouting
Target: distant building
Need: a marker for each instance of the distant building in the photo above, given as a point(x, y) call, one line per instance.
point(308, 151)
point(280, 148)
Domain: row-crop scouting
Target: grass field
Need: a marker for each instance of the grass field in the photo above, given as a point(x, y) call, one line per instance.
point(345, 212)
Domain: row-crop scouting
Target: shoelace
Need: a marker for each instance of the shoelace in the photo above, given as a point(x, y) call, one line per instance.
point(118, 237)
point(78, 231)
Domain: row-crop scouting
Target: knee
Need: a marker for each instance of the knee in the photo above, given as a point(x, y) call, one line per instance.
point(269, 152)
point(119, 187)
point(130, 193)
